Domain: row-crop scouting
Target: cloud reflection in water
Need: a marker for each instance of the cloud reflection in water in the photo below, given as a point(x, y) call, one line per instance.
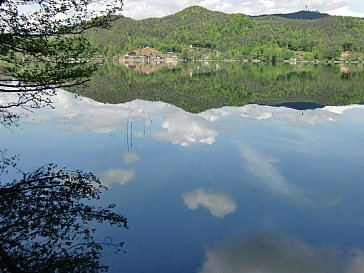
point(117, 176)
point(269, 175)
point(186, 129)
point(178, 126)
point(218, 204)
point(130, 158)
point(267, 253)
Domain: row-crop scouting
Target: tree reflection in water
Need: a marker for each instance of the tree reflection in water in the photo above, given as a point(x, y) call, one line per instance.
point(46, 220)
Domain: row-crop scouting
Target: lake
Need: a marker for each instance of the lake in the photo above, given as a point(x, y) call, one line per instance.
point(218, 167)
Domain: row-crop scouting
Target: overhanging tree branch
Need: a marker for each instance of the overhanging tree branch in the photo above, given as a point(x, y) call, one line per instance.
point(46, 51)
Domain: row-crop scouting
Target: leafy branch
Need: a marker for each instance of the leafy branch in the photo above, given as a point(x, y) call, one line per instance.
point(46, 220)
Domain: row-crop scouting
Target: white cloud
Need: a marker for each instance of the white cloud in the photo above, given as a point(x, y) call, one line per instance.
point(117, 176)
point(130, 158)
point(266, 253)
point(142, 9)
point(266, 4)
point(218, 204)
point(345, 11)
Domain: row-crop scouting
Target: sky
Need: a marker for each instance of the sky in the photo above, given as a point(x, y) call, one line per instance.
point(140, 9)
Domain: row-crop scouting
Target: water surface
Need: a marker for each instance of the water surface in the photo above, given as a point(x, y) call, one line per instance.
point(248, 188)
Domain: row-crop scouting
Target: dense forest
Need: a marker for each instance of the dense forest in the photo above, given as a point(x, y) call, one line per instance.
point(196, 87)
point(197, 33)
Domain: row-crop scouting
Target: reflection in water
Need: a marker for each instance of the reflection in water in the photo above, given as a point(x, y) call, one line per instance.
point(47, 221)
point(292, 116)
point(130, 158)
point(120, 176)
point(223, 171)
point(185, 129)
point(178, 127)
point(197, 88)
point(264, 167)
point(218, 204)
point(267, 253)
point(117, 176)
point(345, 69)
point(149, 68)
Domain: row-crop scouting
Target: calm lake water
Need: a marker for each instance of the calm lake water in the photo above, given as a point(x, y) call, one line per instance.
point(240, 187)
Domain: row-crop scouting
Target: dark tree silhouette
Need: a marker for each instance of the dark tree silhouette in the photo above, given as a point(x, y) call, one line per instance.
point(46, 220)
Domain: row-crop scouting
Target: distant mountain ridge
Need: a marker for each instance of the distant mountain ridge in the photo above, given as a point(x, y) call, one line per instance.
point(299, 15)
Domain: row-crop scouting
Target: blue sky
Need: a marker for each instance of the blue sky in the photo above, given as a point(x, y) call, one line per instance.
point(139, 9)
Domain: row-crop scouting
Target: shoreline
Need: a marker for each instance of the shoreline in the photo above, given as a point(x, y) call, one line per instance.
point(254, 61)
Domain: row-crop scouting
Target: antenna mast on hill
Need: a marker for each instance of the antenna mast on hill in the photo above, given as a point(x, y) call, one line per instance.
point(306, 8)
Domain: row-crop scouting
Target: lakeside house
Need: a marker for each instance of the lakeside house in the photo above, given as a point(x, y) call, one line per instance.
point(148, 55)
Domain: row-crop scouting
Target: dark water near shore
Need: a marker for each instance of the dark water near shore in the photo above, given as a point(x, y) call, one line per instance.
point(210, 180)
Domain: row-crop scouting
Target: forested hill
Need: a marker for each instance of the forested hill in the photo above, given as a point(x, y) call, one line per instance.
point(300, 15)
point(234, 36)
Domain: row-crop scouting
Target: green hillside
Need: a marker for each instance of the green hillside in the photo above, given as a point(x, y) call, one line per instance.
point(237, 36)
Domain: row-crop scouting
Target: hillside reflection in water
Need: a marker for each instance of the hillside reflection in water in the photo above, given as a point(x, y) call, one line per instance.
point(218, 191)
point(197, 87)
